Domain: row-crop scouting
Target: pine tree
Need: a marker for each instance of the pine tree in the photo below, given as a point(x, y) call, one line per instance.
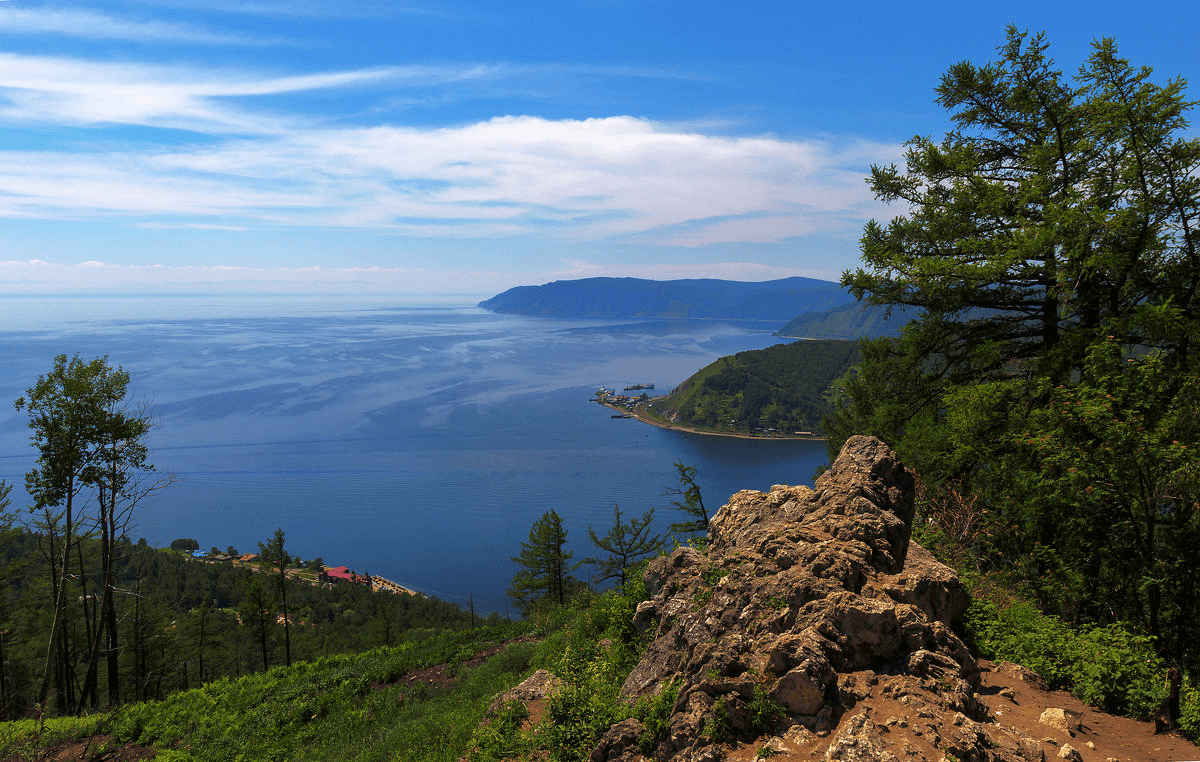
point(1050, 244)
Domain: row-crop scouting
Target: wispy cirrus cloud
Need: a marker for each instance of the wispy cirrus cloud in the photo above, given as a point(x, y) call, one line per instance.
point(85, 24)
point(616, 177)
point(81, 92)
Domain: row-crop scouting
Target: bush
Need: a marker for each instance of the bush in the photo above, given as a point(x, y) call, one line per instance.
point(1107, 667)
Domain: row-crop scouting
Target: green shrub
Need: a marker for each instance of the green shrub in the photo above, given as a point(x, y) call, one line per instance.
point(1189, 709)
point(1119, 672)
point(655, 714)
point(1107, 667)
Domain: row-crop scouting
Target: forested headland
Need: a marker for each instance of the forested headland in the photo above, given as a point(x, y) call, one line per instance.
point(781, 390)
point(848, 322)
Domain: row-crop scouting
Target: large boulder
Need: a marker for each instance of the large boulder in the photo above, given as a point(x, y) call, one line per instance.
point(805, 602)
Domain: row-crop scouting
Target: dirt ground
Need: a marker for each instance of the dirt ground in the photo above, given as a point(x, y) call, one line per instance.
point(90, 750)
point(1015, 703)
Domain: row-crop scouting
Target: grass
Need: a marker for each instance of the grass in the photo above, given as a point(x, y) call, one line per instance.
point(340, 707)
point(23, 739)
point(360, 707)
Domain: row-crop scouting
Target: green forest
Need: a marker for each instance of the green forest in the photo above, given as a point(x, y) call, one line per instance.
point(781, 390)
point(183, 622)
point(90, 619)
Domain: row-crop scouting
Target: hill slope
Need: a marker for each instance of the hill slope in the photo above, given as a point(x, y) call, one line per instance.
point(775, 300)
point(780, 387)
point(848, 321)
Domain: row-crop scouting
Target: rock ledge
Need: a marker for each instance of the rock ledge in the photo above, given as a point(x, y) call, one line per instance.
point(812, 622)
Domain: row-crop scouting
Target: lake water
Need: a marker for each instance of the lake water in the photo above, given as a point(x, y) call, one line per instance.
point(417, 441)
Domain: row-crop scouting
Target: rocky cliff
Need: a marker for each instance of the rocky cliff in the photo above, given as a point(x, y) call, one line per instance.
point(811, 628)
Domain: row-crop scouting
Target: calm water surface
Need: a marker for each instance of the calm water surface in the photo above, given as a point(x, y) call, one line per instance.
point(415, 441)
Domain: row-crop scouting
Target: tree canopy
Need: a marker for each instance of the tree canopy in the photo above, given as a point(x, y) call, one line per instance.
point(1049, 245)
point(1058, 210)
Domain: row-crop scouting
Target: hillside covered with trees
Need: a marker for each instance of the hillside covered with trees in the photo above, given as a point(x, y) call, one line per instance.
point(89, 618)
point(777, 390)
point(775, 301)
point(848, 322)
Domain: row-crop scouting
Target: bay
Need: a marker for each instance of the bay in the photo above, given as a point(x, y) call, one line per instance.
point(412, 439)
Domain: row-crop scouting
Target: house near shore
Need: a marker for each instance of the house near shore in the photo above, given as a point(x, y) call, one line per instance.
point(338, 574)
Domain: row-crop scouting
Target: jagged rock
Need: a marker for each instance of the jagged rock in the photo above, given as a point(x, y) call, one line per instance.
point(620, 743)
point(1061, 719)
point(815, 600)
point(1070, 753)
point(859, 741)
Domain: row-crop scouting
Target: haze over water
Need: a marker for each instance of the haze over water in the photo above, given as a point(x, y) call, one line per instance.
point(414, 440)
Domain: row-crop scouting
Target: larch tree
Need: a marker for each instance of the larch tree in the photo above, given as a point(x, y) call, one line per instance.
point(273, 558)
point(544, 565)
point(625, 543)
point(1049, 244)
point(690, 502)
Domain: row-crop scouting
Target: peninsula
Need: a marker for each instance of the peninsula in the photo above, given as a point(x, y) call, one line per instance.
point(644, 411)
point(781, 392)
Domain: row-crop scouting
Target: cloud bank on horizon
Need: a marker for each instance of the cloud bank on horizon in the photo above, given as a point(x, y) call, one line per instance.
point(464, 147)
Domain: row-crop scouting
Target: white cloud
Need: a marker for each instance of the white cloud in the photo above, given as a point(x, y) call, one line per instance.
point(575, 180)
point(77, 92)
point(41, 277)
point(612, 178)
point(87, 24)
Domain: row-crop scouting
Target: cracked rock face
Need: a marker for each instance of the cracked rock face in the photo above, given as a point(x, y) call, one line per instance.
point(815, 600)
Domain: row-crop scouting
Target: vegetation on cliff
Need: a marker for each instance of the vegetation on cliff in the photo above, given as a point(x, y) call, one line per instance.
point(781, 389)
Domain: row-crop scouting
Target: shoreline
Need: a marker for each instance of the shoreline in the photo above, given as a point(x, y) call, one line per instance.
point(639, 413)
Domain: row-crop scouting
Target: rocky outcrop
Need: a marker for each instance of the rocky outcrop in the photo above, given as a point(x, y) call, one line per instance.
point(810, 621)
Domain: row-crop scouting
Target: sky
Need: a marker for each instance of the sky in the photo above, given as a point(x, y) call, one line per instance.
point(452, 147)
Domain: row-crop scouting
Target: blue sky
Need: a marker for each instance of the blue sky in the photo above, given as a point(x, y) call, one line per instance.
point(464, 147)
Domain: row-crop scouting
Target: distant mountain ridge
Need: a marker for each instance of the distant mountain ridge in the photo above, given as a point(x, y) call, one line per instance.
point(773, 300)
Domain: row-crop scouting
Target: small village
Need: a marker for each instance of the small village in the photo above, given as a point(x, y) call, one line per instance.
point(313, 573)
point(610, 398)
